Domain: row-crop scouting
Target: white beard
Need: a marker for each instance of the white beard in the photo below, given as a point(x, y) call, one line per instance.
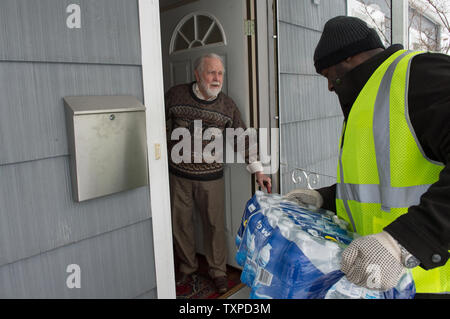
point(211, 92)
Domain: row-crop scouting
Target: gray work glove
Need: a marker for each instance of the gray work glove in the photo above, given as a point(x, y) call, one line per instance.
point(305, 197)
point(373, 262)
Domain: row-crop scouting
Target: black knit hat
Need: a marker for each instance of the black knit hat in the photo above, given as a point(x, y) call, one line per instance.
point(344, 37)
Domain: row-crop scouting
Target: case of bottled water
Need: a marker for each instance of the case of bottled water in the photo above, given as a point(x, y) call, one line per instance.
point(289, 251)
point(258, 231)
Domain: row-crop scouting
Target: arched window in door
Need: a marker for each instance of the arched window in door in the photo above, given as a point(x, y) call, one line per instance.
point(197, 29)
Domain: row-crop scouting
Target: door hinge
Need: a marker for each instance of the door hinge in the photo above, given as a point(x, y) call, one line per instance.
point(157, 151)
point(249, 27)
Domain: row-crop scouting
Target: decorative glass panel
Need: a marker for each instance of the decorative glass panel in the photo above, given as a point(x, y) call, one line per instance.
point(187, 30)
point(197, 30)
point(214, 36)
point(181, 44)
point(204, 23)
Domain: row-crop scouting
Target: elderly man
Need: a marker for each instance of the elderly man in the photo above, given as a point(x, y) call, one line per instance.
point(200, 183)
point(393, 173)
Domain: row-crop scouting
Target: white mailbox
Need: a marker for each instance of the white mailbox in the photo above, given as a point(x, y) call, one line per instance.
point(107, 144)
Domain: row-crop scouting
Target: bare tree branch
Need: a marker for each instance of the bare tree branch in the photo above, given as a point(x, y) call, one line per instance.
point(369, 14)
point(428, 26)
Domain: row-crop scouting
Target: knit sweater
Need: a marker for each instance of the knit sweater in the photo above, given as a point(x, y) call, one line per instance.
point(183, 107)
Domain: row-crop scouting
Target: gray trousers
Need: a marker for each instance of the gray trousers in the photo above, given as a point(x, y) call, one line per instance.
point(208, 198)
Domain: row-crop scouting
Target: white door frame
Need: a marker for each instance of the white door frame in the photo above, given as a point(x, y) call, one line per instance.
point(268, 81)
point(152, 77)
point(400, 22)
point(153, 85)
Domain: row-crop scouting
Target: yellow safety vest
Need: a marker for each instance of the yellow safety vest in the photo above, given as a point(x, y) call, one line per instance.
point(382, 168)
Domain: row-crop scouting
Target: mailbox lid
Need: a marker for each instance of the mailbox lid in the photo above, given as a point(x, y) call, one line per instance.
point(81, 105)
point(108, 154)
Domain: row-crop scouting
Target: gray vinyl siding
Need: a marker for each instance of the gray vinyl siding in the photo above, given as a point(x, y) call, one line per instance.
point(113, 265)
point(310, 116)
point(42, 230)
point(36, 30)
point(32, 125)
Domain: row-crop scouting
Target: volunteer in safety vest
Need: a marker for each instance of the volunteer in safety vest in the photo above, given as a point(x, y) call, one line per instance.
point(393, 175)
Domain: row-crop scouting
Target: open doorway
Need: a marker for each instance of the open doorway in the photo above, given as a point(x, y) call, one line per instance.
point(189, 29)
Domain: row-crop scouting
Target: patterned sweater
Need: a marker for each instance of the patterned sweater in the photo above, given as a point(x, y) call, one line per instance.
point(183, 107)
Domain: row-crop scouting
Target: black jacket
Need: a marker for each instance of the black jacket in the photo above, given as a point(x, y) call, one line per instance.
point(425, 230)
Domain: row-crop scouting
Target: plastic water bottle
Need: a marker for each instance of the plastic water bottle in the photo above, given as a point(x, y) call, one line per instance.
point(273, 216)
point(267, 284)
point(344, 289)
point(288, 251)
point(299, 272)
point(259, 232)
point(286, 225)
point(252, 207)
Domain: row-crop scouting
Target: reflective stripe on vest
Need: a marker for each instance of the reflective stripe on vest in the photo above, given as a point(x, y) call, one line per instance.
point(381, 160)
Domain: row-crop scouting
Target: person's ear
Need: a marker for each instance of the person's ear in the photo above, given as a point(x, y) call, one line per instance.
point(197, 76)
point(349, 60)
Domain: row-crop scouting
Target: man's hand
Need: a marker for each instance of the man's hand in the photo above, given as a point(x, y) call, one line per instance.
point(264, 181)
point(373, 262)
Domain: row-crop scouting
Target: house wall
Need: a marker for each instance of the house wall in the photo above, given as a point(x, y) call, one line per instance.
point(310, 116)
point(42, 230)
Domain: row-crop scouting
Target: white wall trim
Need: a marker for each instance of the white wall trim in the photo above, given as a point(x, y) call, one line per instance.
point(153, 83)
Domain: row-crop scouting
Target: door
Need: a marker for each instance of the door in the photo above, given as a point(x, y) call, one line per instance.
point(310, 118)
point(216, 26)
